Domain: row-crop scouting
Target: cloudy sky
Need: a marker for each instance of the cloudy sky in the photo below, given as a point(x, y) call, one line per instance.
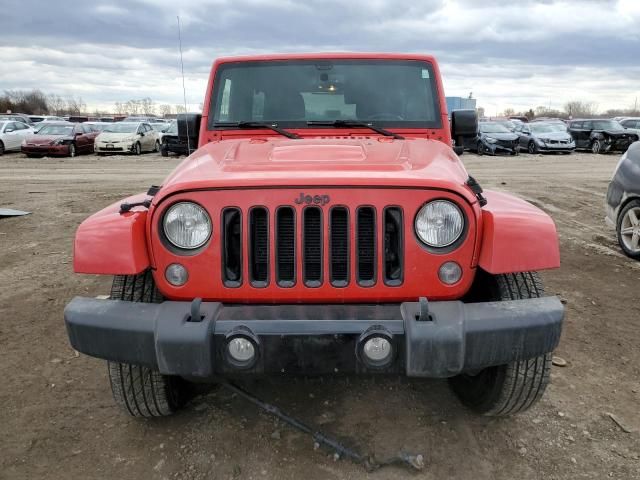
point(509, 53)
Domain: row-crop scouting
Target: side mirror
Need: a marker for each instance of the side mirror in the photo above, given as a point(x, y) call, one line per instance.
point(77, 134)
point(464, 124)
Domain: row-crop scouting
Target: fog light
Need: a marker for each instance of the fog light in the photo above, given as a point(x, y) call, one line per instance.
point(377, 349)
point(241, 350)
point(450, 273)
point(176, 274)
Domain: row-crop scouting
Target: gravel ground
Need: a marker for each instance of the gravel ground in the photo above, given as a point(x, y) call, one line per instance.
point(58, 419)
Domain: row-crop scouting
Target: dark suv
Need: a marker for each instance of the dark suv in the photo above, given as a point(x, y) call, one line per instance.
point(601, 135)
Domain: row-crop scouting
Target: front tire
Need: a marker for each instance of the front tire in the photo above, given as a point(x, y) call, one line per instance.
point(156, 149)
point(137, 149)
point(596, 146)
point(506, 389)
point(532, 148)
point(480, 149)
point(138, 390)
point(72, 150)
point(628, 229)
point(1, 148)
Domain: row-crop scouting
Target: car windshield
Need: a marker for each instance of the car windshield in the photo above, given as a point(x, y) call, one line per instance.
point(392, 93)
point(173, 128)
point(607, 125)
point(508, 125)
point(159, 127)
point(542, 128)
point(98, 127)
point(56, 130)
point(487, 127)
point(122, 128)
point(557, 127)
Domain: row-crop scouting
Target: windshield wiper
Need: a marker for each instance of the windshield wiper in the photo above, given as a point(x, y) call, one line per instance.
point(270, 126)
point(354, 124)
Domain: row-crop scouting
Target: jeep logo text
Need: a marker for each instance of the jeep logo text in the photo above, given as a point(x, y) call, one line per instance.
point(321, 200)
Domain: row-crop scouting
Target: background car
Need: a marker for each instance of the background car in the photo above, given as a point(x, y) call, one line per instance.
point(127, 137)
point(546, 137)
point(97, 126)
point(632, 124)
point(623, 201)
point(494, 138)
point(601, 135)
point(161, 128)
point(21, 117)
point(12, 133)
point(60, 138)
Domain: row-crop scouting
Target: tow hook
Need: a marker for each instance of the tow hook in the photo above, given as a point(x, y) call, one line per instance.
point(369, 462)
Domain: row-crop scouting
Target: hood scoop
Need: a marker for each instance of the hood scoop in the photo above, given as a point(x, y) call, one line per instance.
point(317, 155)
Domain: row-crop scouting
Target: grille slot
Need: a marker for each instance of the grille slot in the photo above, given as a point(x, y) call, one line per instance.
point(232, 247)
point(312, 246)
point(393, 246)
point(286, 246)
point(366, 246)
point(339, 246)
point(259, 247)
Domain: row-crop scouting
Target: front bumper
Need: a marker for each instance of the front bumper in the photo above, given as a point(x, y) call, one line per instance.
point(315, 339)
point(115, 147)
point(556, 147)
point(62, 149)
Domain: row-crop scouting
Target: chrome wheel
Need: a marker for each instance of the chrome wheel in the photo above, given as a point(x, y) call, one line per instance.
point(72, 150)
point(630, 230)
point(531, 147)
point(595, 146)
point(157, 148)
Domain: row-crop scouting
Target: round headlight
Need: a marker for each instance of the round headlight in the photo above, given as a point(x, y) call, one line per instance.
point(187, 225)
point(439, 223)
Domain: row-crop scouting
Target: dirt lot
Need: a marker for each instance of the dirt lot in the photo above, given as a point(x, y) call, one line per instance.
point(58, 420)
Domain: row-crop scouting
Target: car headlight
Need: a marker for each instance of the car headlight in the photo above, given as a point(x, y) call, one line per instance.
point(439, 223)
point(187, 225)
point(490, 140)
point(59, 141)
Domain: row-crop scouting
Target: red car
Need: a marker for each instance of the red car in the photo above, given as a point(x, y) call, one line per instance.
point(60, 138)
point(325, 225)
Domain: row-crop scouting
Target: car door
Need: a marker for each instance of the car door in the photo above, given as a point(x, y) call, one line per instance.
point(150, 137)
point(575, 129)
point(80, 138)
point(23, 131)
point(90, 136)
point(524, 136)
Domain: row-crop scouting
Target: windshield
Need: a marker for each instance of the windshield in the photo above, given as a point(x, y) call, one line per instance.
point(607, 125)
point(557, 127)
point(486, 127)
point(56, 130)
point(173, 128)
point(122, 128)
point(98, 127)
point(508, 125)
point(542, 128)
point(159, 127)
point(291, 93)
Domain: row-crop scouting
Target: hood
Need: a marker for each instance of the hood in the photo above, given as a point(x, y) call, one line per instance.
point(113, 136)
point(376, 161)
point(44, 139)
point(619, 133)
point(502, 136)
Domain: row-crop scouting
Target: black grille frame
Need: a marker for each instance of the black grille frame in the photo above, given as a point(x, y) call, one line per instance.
point(364, 277)
point(307, 254)
point(286, 283)
point(346, 276)
point(254, 268)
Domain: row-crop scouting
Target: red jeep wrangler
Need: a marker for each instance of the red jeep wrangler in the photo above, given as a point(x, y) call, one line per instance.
point(324, 225)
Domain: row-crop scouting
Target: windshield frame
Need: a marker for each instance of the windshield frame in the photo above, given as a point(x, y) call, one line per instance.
point(436, 123)
point(52, 125)
point(496, 124)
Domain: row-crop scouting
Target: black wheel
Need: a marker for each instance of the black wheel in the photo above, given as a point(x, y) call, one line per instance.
point(506, 389)
point(72, 150)
point(157, 146)
point(163, 151)
point(138, 390)
point(137, 149)
point(480, 148)
point(596, 146)
point(628, 229)
point(1, 148)
point(531, 148)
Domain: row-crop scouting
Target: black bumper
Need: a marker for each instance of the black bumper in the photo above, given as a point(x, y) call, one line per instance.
point(315, 339)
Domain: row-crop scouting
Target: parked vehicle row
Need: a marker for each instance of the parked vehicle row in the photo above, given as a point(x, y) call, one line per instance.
point(554, 135)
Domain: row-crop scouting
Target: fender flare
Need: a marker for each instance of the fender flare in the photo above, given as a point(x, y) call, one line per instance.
point(111, 243)
point(516, 236)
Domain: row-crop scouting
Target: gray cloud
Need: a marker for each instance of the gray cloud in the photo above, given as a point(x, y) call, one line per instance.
point(508, 52)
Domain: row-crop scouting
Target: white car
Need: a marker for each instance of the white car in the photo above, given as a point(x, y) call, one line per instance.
point(632, 124)
point(127, 137)
point(161, 128)
point(12, 133)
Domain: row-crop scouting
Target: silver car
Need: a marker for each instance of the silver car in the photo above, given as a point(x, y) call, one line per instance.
point(546, 137)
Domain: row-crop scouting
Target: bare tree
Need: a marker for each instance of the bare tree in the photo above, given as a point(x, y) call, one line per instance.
point(120, 108)
point(56, 104)
point(578, 108)
point(76, 106)
point(133, 107)
point(147, 106)
point(165, 110)
point(508, 112)
point(180, 109)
